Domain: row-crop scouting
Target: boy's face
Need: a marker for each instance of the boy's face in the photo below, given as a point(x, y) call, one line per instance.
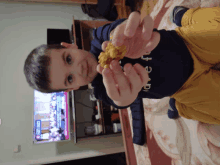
point(71, 68)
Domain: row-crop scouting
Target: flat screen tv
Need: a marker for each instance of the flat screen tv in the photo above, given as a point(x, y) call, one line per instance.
point(51, 117)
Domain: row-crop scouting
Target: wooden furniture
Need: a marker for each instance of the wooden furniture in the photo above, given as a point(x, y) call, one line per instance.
point(127, 137)
point(117, 2)
point(120, 4)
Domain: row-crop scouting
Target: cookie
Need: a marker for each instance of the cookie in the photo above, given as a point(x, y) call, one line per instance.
point(111, 53)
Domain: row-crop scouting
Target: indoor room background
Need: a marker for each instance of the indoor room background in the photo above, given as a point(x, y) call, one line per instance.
point(22, 28)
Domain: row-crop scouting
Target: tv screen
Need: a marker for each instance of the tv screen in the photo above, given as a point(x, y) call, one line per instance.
point(51, 117)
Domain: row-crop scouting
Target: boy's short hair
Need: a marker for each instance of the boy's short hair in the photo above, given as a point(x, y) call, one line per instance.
point(36, 68)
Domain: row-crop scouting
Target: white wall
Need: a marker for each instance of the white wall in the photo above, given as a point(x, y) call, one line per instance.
point(22, 28)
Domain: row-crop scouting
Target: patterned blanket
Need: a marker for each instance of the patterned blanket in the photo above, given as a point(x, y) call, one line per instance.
point(182, 141)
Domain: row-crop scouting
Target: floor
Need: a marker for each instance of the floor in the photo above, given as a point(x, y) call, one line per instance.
point(113, 159)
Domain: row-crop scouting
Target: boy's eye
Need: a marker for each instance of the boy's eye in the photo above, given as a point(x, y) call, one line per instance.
point(69, 59)
point(70, 79)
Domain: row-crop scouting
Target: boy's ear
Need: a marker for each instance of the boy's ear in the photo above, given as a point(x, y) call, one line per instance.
point(68, 90)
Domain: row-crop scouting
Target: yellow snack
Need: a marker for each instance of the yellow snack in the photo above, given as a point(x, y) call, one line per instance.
point(111, 53)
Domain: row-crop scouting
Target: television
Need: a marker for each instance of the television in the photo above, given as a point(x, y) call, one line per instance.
point(51, 117)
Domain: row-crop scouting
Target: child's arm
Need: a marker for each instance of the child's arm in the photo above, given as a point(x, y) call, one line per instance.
point(137, 111)
point(138, 122)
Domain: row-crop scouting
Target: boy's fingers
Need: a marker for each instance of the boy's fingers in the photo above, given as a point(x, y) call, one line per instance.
point(126, 29)
point(118, 35)
point(132, 24)
point(64, 44)
point(110, 84)
point(143, 73)
point(99, 68)
point(148, 25)
point(154, 41)
point(138, 77)
point(104, 45)
point(120, 79)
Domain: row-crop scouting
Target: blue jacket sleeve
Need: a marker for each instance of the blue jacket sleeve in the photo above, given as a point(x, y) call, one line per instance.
point(172, 111)
point(100, 35)
point(137, 111)
point(139, 131)
point(101, 94)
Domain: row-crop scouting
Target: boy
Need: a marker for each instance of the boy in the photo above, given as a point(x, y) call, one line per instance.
point(178, 66)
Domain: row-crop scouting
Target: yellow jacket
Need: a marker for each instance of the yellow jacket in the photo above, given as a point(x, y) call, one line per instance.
point(199, 97)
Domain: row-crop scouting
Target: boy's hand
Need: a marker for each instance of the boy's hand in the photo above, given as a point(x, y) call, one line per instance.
point(123, 87)
point(136, 35)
